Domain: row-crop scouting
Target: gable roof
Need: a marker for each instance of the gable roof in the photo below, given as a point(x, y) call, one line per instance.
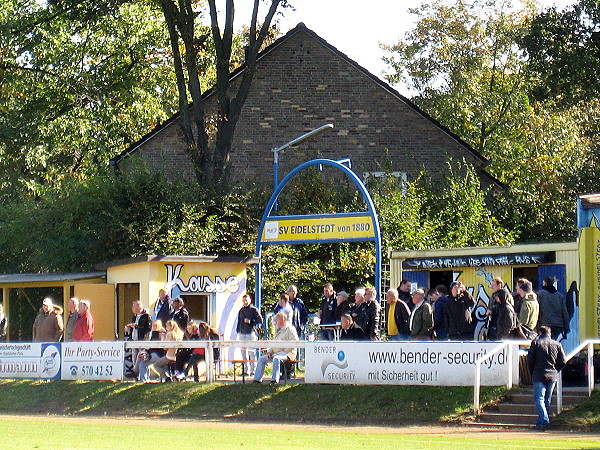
point(301, 27)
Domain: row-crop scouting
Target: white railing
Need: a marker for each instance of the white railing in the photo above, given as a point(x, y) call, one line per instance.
point(509, 383)
point(208, 347)
point(589, 345)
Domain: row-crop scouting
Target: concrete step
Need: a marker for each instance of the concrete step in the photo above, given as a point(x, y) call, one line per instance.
point(568, 400)
point(513, 419)
point(517, 408)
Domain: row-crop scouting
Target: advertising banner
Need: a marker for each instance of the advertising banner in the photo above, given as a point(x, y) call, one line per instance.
point(30, 360)
point(406, 363)
point(92, 360)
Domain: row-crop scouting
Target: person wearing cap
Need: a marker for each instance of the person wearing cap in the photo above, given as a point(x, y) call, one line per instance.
point(460, 325)
point(84, 327)
point(530, 308)
point(342, 305)
point(421, 318)
point(48, 324)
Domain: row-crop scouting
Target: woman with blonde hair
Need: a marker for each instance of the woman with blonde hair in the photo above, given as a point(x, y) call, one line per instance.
point(174, 333)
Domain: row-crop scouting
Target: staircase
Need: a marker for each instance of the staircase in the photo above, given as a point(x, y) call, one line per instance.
point(517, 408)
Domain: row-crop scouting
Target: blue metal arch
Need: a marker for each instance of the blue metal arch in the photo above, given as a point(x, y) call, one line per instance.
point(273, 200)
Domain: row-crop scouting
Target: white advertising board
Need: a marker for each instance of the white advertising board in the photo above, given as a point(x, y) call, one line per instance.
point(406, 363)
point(92, 360)
point(30, 360)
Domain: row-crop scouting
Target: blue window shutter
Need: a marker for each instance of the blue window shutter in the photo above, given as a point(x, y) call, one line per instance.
point(421, 277)
point(558, 271)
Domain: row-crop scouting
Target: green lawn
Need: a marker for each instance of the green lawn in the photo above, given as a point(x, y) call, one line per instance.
point(395, 405)
point(16, 433)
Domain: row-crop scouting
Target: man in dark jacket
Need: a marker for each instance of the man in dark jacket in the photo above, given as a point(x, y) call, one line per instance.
point(404, 292)
point(438, 298)
point(553, 309)
point(397, 315)
point(300, 316)
point(163, 310)
point(459, 308)
point(248, 318)
point(545, 359)
point(350, 330)
point(327, 311)
point(366, 312)
point(180, 313)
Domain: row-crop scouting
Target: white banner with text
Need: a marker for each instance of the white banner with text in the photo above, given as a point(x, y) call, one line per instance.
point(407, 363)
point(62, 360)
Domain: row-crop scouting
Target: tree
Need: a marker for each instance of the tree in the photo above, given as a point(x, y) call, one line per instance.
point(464, 61)
point(210, 150)
point(77, 86)
point(563, 52)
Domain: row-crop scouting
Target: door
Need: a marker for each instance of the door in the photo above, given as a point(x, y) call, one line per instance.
point(102, 307)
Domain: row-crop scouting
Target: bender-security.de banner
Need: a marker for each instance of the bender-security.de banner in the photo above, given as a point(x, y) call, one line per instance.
point(407, 363)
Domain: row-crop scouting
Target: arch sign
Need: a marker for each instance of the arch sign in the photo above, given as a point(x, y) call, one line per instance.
point(319, 228)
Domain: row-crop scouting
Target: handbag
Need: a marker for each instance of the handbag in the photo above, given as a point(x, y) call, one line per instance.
point(524, 332)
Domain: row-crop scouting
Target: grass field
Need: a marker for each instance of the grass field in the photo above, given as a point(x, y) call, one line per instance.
point(93, 433)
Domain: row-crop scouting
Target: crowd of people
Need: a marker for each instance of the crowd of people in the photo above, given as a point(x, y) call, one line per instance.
point(425, 314)
point(435, 313)
point(169, 321)
point(49, 326)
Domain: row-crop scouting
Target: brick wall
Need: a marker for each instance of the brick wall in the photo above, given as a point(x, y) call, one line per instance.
point(303, 83)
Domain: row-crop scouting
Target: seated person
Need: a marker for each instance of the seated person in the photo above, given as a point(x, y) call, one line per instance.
point(277, 356)
point(161, 366)
point(351, 331)
point(184, 355)
point(147, 357)
point(190, 358)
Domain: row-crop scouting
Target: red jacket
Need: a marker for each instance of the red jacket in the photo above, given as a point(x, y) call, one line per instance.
point(84, 328)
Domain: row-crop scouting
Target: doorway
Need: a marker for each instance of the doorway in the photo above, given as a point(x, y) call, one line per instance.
point(530, 273)
point(199, 307)
point(437, 277)
point(127, 293)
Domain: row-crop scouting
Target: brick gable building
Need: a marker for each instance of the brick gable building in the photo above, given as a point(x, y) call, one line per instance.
point(302, 82)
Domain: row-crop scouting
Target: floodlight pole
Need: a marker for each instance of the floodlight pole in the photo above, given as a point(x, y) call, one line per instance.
point(293, 143)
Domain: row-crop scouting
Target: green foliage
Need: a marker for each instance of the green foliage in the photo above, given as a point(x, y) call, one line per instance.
point(447, 213)
point(112, 217)
point(76, 88)
point(464, 61)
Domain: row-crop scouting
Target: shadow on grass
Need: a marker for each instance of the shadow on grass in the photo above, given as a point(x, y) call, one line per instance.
point(297, 402)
